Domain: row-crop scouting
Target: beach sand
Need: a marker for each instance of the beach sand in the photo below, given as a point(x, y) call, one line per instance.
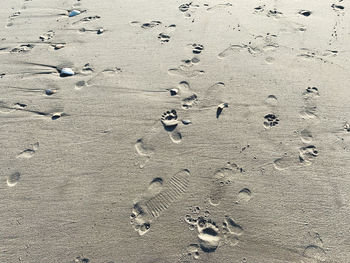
point(171, 131)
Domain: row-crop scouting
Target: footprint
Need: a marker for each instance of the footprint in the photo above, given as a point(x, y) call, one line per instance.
point(144, 151)
point(231, 50)
point(13, 179)
point(285, 162)
point(146, 25)
point(307, 154)
point(213, 96)
point(274, 13)
point(231, 231)
point(184, 7)
point(155, 186)
point(311, 93)
point(315, 252)
point(145, 211)
point(193, 250)
point(175, 136)
point(306, 136)
point(22, 48)
point(189, 98)
point(271, 120)
point(197, 48)
point(169, 120)
point(221, 178)
point(271, 100)
point(232, 227)
point(244, 195)
point(12, 18)
point(47, 36)
point(163, 38)
point(208, 235)
point(28, 153)
point(185, 70)
point(309, 112)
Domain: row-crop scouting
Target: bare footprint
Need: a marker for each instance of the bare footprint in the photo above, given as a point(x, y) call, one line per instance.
point(185, 70)
point(306, 136)
point(221, 178)
point(307, 154)
point(285, 162)
point(244, 195)
point(314, 252)
point(13, 179)
point(144, 152)
point(47, 36)
point(29, 153)
point(25, 48)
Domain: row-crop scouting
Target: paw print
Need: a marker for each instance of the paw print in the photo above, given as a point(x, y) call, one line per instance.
point(169, 118)
point(197, 48)
point(270, 120)
point(163, 38)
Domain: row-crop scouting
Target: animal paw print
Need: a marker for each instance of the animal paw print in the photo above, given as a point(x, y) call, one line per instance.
point(208, 235)
point(270, 120)
point(197, 48)
point(311, 92)
point(184, 7)
point(169, 118)
point(163, 38)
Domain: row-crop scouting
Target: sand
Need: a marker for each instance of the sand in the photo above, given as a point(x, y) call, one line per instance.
point(171, 131)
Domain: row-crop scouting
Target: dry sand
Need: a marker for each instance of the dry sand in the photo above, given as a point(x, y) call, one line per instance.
point(171, 131)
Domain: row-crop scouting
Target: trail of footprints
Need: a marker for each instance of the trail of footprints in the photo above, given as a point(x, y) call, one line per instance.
point(163, 193)
point(308, 152)
point(210, 235)
point(63, 70)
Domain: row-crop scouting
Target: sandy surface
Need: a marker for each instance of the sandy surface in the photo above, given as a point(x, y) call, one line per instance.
point(169, 131)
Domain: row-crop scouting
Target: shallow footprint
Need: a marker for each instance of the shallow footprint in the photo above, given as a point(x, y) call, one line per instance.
point(285, 162)
point(28, 153)
point(144, 152)
point(175, 136)
point(13, 179)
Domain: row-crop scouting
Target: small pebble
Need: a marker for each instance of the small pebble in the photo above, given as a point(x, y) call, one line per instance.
point(49, 92)
point(74, 13)
point(100, 31)
point(66, 72)
point(186, 122)
point(59, 46)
